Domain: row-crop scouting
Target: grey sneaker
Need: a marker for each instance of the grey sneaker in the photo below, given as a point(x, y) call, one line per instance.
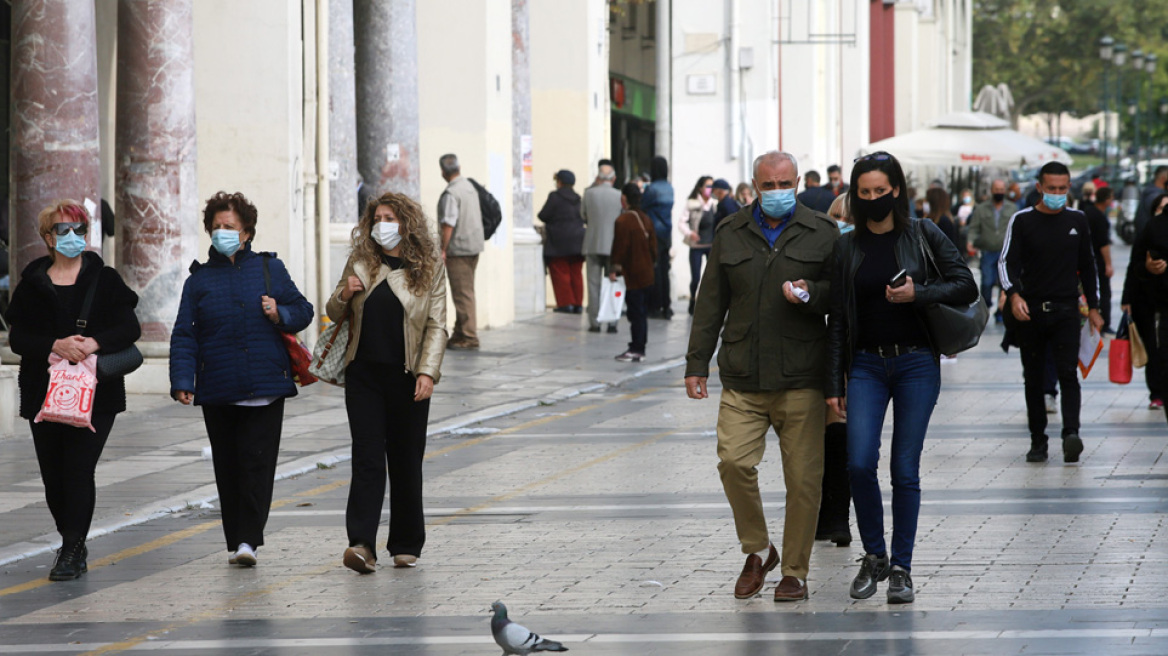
point(900, 589)
point(873, 569)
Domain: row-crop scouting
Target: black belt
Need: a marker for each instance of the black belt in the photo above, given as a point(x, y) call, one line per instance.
point(1054, 306)
point(891, 350)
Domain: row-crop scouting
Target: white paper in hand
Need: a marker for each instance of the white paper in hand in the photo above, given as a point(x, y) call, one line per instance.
point(1090, 344)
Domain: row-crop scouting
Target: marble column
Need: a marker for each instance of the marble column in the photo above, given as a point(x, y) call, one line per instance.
point(157, 202)
point(387, 94)
point(530, 290)
point(342, 108)
point(54, 152)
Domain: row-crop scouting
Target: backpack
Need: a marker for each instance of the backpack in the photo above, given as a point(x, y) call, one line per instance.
point(492, 213)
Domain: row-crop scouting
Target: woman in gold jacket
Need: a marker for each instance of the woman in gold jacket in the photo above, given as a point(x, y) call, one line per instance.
point(393, 291)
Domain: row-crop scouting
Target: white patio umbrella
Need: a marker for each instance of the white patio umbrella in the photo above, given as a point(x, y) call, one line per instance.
point(969, 139)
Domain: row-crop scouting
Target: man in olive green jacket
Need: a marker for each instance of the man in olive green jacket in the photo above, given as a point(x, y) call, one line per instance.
point(766, 290)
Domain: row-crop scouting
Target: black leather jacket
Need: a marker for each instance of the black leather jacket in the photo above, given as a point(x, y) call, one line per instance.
point(955, 286)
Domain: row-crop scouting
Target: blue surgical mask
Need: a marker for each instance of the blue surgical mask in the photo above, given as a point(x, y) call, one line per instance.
point(225, 241)
point(70, 245)
point(777, 202)
point(844, 227)
point(1054, 201)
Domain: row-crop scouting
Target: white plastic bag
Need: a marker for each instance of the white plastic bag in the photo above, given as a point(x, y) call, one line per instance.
point(612, 300)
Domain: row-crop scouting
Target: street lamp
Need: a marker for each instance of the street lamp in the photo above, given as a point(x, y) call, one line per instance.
point(1119, 58)
point(1106, 45)
point(1138, 64)
point(1150, 69)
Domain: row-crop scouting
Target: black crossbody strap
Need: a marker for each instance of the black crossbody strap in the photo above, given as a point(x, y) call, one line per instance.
point(928, 253)
point(83, 318)
point(267, 277)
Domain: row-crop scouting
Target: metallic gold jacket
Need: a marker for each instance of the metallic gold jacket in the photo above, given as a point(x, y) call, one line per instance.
point(425, 315)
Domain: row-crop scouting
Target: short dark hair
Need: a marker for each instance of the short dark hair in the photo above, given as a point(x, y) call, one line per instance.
point(225, 202)
point(1160, 170)
point(632, 194)
point(834, 168)
point(889, 166)
point(658, 169)
point(605, 162)
point(1053, 168)
point(1103, 195)
point(811, 176)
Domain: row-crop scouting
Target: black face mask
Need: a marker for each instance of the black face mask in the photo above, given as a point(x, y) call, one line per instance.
point(999, 198)
point(873, 210)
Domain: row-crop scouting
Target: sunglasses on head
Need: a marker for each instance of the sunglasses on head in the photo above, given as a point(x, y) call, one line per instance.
point(875, 157)
point(62, 229)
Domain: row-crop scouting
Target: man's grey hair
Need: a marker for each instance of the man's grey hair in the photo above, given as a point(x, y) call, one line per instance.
point(997, 180)
point(449, 164)
point(774, 157)
point(606, 173)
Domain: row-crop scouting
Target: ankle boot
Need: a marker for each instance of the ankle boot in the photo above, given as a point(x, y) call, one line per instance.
point(1038, 452)
point(71, 562)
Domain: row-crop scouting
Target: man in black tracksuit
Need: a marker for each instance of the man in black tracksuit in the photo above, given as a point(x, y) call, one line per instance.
point(1046, 256)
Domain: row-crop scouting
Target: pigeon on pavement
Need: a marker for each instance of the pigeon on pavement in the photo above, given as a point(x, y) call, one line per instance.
point(517, 640)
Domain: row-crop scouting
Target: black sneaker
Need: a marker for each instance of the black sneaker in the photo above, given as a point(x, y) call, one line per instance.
point(1037, 452)
point(612, 329)
point(1072, 447)
point(873, 569)
point(71, 562)
point(629, 356)
point(900, 588)
point(593, 329)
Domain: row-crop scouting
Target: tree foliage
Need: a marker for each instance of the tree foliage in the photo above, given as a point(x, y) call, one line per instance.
point(1047, 51)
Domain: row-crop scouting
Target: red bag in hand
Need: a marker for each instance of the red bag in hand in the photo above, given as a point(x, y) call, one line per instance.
point(300, 358)
point(1119, 356)
point(71, 389)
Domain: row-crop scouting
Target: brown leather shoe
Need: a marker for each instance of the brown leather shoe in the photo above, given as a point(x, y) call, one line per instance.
point(360, 559)
point(790, 589)
point(753, 575)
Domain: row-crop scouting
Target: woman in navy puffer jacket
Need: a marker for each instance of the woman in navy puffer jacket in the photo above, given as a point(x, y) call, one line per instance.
point(227, 355)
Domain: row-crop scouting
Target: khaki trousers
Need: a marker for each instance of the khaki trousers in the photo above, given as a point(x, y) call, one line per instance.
point(460, 271)
point(743, 421)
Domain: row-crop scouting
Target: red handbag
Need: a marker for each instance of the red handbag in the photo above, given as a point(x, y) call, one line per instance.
point(1119, 356)
point(299, 357)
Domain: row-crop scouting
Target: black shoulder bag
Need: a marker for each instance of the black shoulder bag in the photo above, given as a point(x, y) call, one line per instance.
point(953, 328)
point(109, 365)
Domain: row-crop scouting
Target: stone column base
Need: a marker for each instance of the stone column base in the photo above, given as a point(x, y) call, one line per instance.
point(9, 401)
point(530, 287)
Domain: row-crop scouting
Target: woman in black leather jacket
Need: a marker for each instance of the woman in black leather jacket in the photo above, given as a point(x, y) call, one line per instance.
point(879, 343)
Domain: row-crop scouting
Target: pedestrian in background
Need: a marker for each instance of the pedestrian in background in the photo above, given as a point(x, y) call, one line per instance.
point(1096, 213)
point(881, 351)
point(727, 204)
point(393, 291)
point(1157, 185)
point(938, 202)
point(698, 230)
point(765, 293)
point(461, 219)
point(987, 232)
point(815, 196)
point(1046, 256)
point(835, 180)
point(835, 507)
point(657, 202)
point(743, 194)
point(43, 318)
point(634, 249)
point(227, 355)
point(600, 208)
point(563, 243)
point(1141, 287)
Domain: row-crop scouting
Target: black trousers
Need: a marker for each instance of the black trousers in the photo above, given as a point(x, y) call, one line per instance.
point(836, 503)
point(635, 302)
point(1059, 329)
point(1144, 316)
point(389, 434)
point(1105, 299)
point(660, 298)
point(68, 457)
point(245, 444)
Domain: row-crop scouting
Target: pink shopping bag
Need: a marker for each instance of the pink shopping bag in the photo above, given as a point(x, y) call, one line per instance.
point(71, 388)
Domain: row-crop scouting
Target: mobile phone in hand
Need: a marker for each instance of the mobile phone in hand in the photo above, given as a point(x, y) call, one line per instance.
point(1155, 254)
point(899, 279)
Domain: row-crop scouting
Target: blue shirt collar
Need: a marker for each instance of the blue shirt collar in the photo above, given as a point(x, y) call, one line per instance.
point(771, 234)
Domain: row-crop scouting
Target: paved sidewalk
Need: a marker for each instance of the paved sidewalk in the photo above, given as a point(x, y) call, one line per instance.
point(157, 459)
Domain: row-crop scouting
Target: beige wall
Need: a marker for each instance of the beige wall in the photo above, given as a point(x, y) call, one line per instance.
point(464, 101)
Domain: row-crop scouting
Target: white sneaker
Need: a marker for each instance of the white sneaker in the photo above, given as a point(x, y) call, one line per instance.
point(245, 556)
point(1051, 404)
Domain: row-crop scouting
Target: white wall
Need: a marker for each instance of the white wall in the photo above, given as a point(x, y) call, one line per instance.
point(464, 101)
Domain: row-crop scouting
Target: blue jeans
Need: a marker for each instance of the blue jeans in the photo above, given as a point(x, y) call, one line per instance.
point(912, 382)
point(989, 276)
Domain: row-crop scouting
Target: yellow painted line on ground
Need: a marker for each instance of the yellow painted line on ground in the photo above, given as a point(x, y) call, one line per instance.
point(183, 534)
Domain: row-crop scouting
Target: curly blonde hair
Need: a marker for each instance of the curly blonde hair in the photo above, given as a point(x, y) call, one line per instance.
point(418, 253)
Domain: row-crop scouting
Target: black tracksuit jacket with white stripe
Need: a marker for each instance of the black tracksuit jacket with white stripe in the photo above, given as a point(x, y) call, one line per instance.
point(1047, 256)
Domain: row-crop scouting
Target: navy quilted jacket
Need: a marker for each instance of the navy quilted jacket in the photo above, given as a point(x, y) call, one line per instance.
point(223, 347)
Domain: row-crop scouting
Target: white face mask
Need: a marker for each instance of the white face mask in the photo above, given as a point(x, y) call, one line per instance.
point(386, 234)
